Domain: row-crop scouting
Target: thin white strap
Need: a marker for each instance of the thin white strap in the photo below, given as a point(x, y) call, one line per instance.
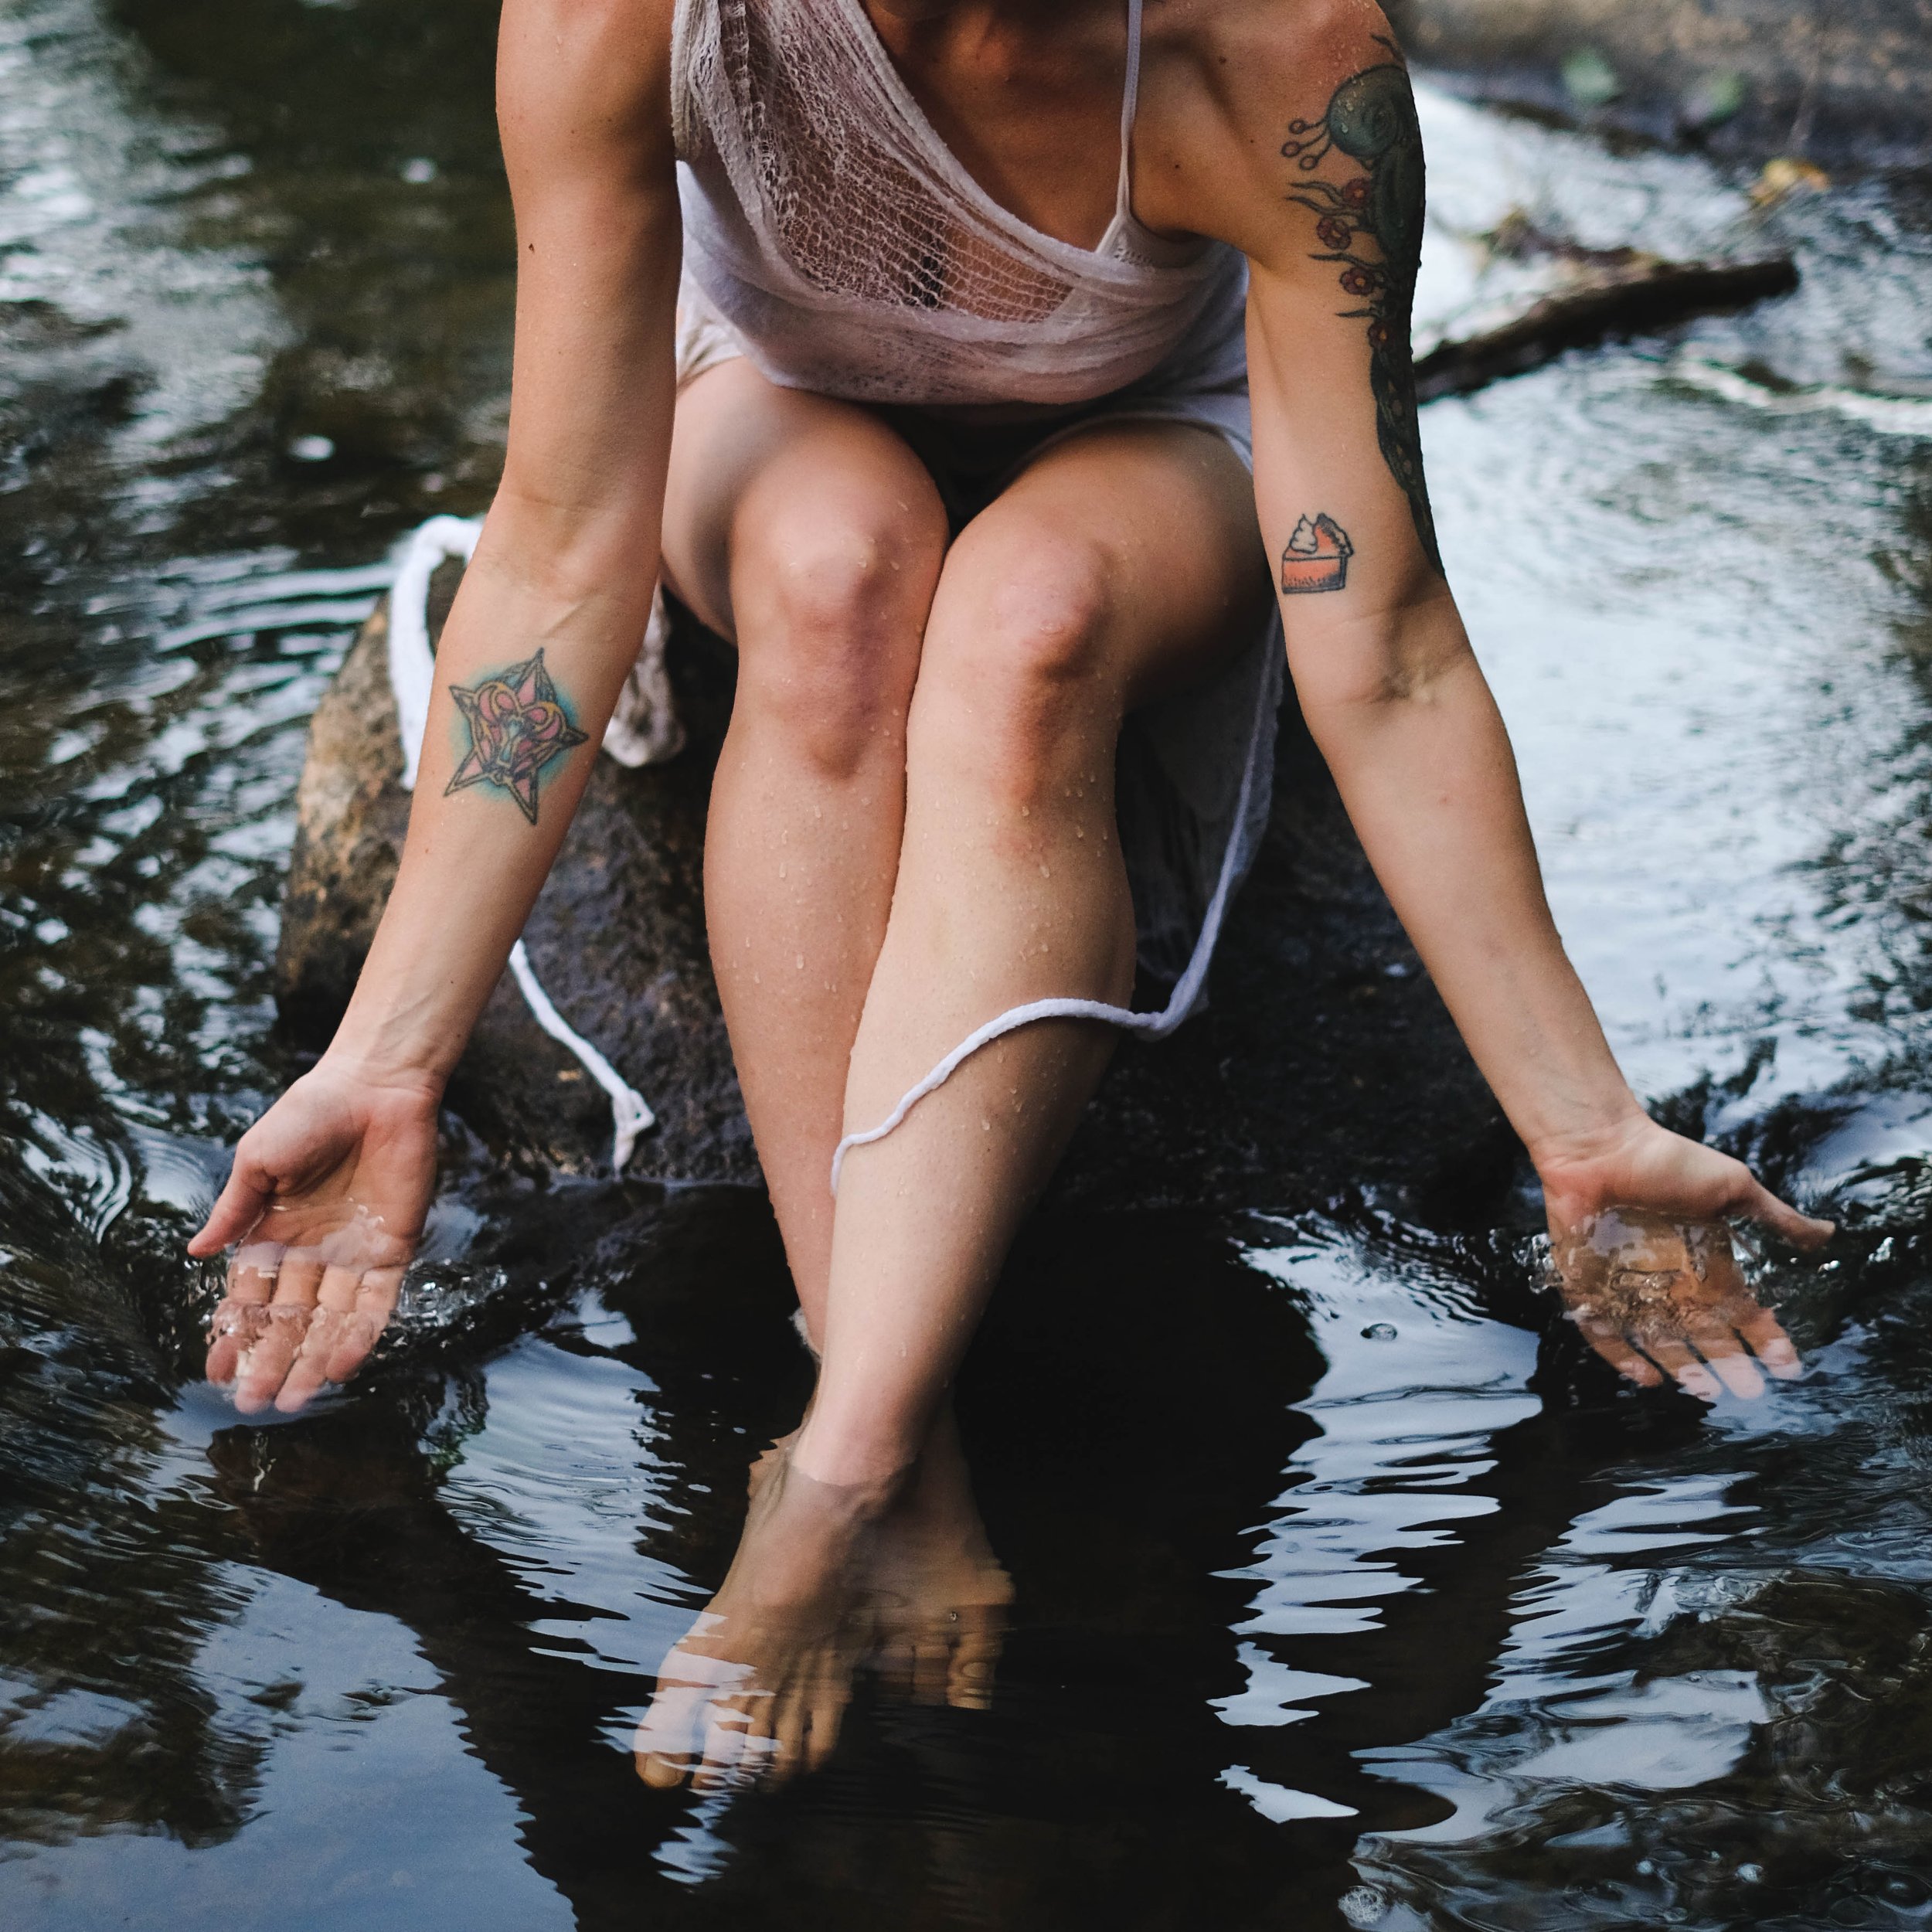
point(412, 676)
point(1130, 98)
point(1155, 1026)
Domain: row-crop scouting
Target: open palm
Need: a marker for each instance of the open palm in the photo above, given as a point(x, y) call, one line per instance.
point(1645, 1263)
point(323, 1207)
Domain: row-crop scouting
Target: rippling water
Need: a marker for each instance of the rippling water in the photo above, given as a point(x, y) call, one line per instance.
point(1348, 1592)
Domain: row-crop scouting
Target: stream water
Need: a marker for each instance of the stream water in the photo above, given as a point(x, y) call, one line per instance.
point(1348, 1592)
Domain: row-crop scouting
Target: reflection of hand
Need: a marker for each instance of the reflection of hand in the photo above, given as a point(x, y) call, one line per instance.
point(1644, 1262)
point(327, 1199)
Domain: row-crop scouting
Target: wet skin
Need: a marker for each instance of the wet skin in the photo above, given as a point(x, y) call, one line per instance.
point(1656, 1297)
point(829, 1579)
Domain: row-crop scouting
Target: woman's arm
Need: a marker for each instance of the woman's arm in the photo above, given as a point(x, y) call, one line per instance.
point(568, 555)
point(542, 633)
point(1320, 184)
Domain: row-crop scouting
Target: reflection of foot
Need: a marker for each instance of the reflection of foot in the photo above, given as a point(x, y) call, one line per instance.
point(757, 1686)
point(825, 1577)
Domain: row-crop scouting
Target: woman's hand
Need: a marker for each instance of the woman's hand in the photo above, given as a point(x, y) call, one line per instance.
point(1645, 1263)
point(326, 1199)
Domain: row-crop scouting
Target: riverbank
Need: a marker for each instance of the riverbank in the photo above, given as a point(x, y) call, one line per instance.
point(1847, 84)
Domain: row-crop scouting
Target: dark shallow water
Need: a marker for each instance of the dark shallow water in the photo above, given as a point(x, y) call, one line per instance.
point(1347, 1593)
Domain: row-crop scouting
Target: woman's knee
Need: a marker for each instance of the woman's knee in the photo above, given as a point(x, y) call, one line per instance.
point(831, 605)
point(1018, 670)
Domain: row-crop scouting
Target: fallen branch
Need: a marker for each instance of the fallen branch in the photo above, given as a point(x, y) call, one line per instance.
point(1613, 293)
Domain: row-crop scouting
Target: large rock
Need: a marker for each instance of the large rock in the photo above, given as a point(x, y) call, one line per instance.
point(1754, 77)
point(1323, 1064)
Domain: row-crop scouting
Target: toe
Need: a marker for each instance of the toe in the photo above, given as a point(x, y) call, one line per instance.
point(969, 1684)
point(828, 1713)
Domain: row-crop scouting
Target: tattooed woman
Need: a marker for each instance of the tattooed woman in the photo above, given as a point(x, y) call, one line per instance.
point(913, 342)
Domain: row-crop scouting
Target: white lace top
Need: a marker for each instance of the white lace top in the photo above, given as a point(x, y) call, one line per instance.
point(830, 228)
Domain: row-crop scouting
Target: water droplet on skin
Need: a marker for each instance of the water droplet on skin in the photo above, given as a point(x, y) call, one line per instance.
point(1379, 1332)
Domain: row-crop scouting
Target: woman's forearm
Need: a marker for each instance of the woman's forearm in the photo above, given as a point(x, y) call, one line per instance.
point(552, 607)
point(1424, 766)
point(530, 666)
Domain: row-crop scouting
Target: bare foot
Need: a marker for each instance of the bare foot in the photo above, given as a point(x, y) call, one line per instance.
point(1652, 1292)
point(757, 1689)
point(941, 1597)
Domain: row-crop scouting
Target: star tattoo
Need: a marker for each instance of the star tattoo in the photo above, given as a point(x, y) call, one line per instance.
point(517, 724)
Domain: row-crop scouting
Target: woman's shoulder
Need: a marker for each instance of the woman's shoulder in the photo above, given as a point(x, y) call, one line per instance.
point(1227, 83)
point(577, 75)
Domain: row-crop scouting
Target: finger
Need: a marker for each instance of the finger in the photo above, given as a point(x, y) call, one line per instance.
point(358, 1332)
point(299, 1280)
point(1608, 1340)
point(238, 1208)
point(237, 1324)
point(1725, 1355)
point(1676, 1360)
point(309, 1370)
point(1803, 1231)
point(265, 1364)
point(1771, 1343)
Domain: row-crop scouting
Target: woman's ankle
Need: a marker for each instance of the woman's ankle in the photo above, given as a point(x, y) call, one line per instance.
point(865, 1462)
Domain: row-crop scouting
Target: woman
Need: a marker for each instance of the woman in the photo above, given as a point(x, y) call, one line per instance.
point(948, 429)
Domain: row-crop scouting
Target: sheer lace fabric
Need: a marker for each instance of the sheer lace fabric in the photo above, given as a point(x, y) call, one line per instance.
point(828, 223)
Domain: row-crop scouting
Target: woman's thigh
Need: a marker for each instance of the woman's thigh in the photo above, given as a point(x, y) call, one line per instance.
point(774, 494)
point(1125, 563)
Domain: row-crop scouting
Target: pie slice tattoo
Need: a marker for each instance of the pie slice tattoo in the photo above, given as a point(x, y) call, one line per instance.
point(517, 725)
point(1317, 558)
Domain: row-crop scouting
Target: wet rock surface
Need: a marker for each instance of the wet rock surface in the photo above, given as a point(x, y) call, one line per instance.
point(1230, 1109)
point(1749, 77)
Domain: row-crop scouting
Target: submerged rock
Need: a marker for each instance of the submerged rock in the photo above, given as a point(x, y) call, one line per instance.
point(1322, 1060)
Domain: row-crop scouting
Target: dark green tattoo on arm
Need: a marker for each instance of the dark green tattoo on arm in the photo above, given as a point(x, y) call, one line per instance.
point(517, 725)
point(1371, 119)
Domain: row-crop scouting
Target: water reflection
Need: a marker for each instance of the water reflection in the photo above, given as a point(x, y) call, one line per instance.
point(1346, 1578)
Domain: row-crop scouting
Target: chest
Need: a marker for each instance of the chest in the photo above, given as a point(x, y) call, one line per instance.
point(1033, 115)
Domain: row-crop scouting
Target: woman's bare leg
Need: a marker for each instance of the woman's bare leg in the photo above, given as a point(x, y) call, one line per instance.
point(1122, 561)
point(1117, 562)
point(807, 531)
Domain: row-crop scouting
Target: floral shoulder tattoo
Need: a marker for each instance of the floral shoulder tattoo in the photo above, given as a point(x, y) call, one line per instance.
point(1370, 121)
